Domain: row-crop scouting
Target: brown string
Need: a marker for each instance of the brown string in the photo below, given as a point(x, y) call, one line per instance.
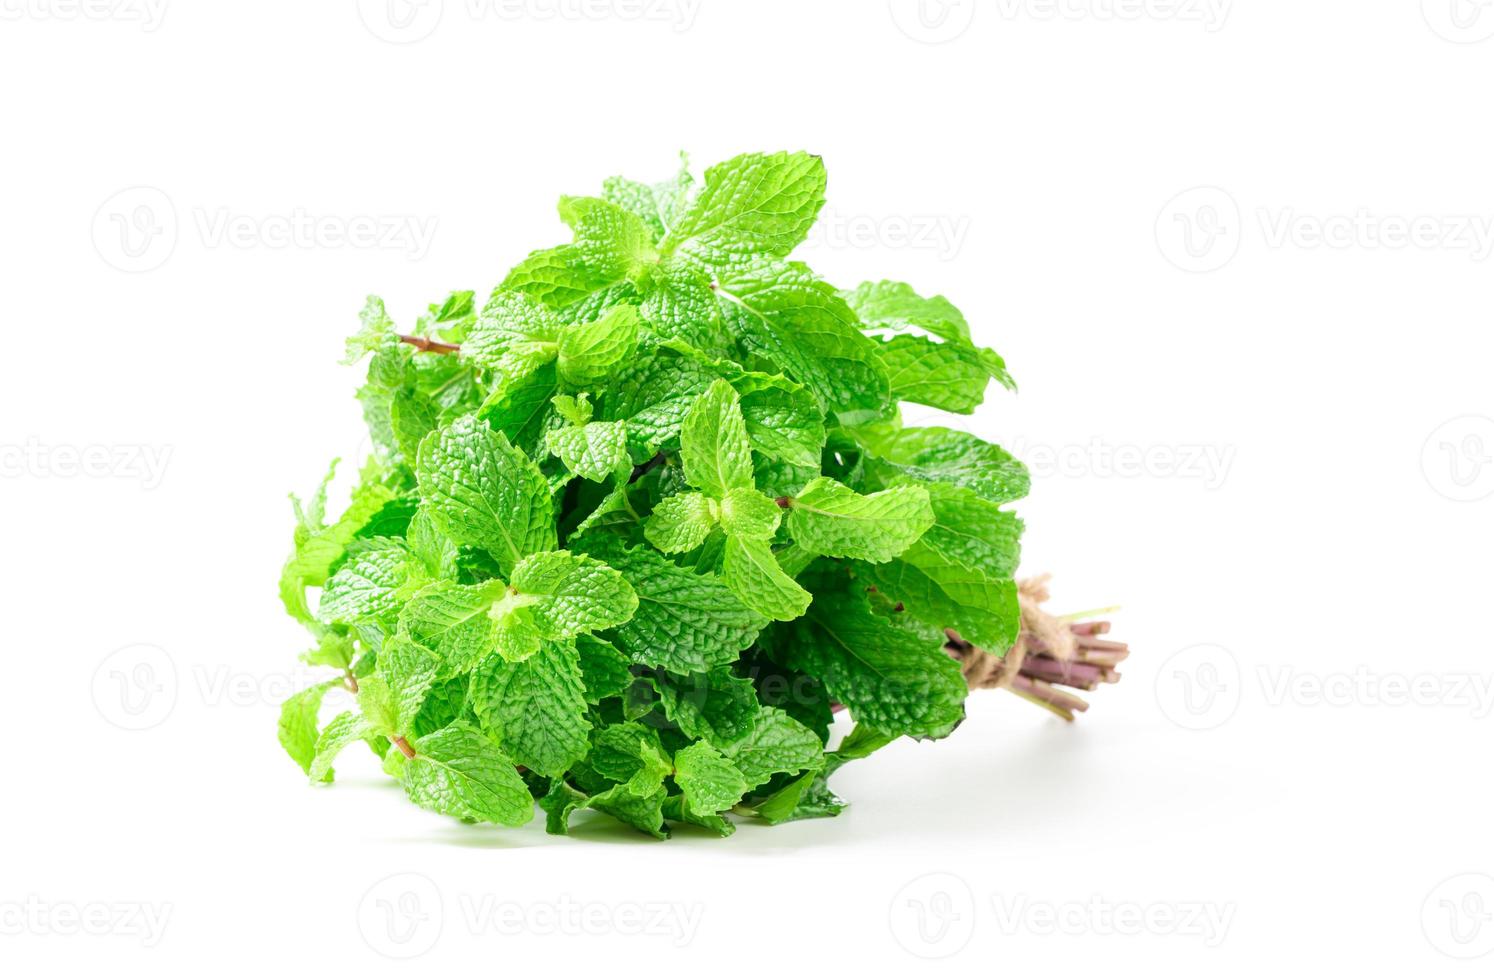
point(1049, 652)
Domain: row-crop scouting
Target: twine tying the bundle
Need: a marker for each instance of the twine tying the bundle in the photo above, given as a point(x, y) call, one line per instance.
point(1050, 651)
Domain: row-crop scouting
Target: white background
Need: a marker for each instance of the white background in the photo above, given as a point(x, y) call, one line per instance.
point(1304, 541)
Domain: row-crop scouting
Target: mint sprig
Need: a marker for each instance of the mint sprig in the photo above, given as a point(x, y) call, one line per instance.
point(634, 526)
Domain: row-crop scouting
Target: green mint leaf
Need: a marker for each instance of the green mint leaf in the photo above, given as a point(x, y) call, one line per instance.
point(370, 588)
point(611, 246)
point(785, 314)
point(643, 812)
point(775, 743)
point(514, 335)
point(939, 455)
point(604, 670)
point(894, 306)
point(685, 622)
point(340, 732)
point(659, 205)
point(590, 352)
point(713, 442)
point(710, 782)
point(745, 513)
point(298, 723)
point(571, 594)
point(536, 707)
point(485, 493)
point(676, 810)
point(716, 706)
point(461, 772)
point(520, 407)
point(630, 753)
point(950, 376)
point(751, 571)
point(408, 670)
point(959, 574)
point(756, 202)
point(318, 549)
point(681, 522)
point(593, 451)
point(830, 518)
point(891, 676)
point(452, 620)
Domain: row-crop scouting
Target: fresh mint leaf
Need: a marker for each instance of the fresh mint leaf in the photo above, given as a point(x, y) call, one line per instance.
point(461, 772)
point(830, 518)
point(754, 203)
point(711, 783)
point(485, 493)
point(713, 442)
point(681, 522)
point(751, 571)
point(590, 352)
point(536, 707)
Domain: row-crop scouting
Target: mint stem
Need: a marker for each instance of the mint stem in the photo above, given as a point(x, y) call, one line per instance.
point(428, 345)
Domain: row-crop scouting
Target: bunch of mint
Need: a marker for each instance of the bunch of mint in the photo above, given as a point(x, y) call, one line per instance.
point(638, 524)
